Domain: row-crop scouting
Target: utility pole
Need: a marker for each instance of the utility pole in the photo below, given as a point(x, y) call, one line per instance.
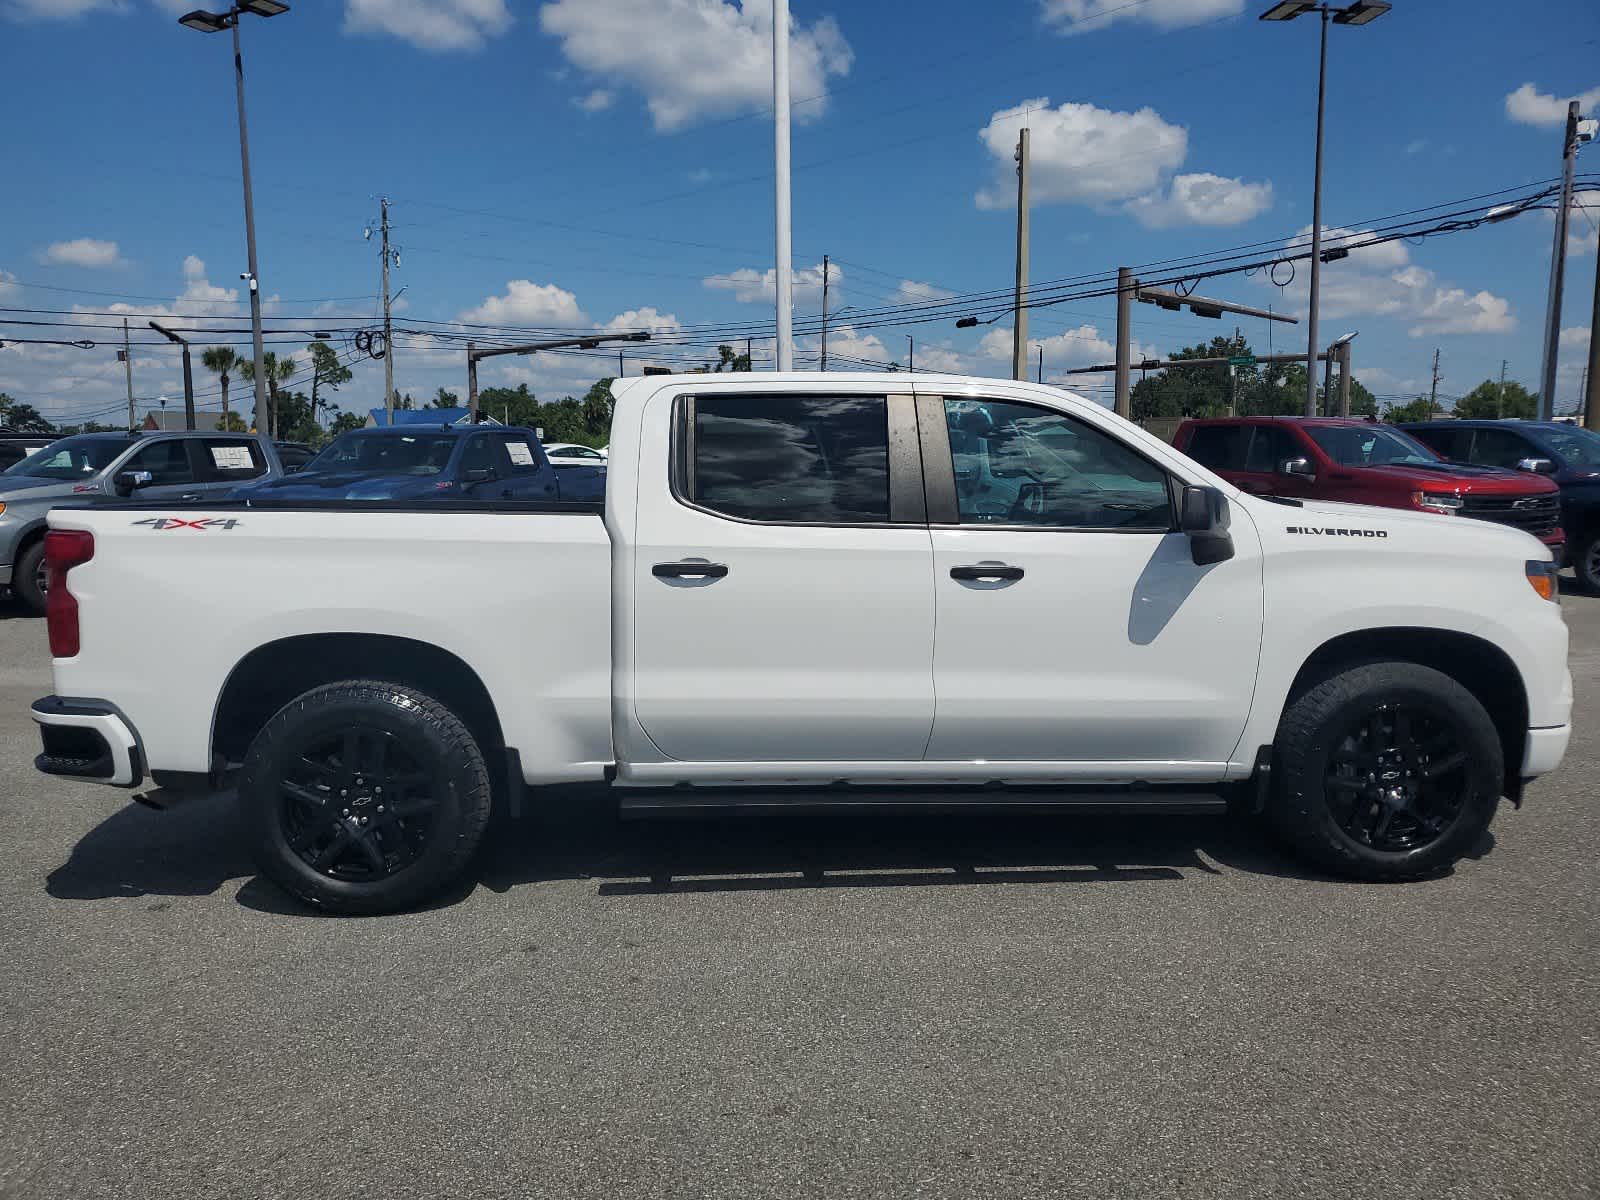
point(250, 239)
point(1558, 269)
point(749, 360)
point(621, 370)
point(1316, 229)
point(1433, 392)
point(1041, 362)
point(1327, 384)
point(911, 353)
point(1019, 314)
point(824, 312)
point(127, 361)
point(472, 385)
point(1500, 396)
point(1126, 286)
point(780, 147)
point(388, 329)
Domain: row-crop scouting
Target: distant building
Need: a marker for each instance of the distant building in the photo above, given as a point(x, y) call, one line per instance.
point(170, 420)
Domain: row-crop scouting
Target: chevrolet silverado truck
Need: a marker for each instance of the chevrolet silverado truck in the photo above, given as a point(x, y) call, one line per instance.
point(843, 589)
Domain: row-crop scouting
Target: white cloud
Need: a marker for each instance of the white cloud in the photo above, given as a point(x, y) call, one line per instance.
point(1071, 348)
point(596, 101)
point(912, 291)
point(1381, 280)
point(1202, 199)
point(57, 10)
point(528, 303)
point(1529, 106)
point(750, 286)
point(941, 358)
point(83, 252)
point(8, 283)
point(845, 342)
point(430, 24)
point(1082, 16)
point(1081, 153)
point(1575, 336)
point(643, 318)
point(1583, 223)
point(1416, 146)
point(693, 59)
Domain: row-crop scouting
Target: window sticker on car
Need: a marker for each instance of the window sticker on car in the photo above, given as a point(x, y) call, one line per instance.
point(231, 458)
point(521, 455)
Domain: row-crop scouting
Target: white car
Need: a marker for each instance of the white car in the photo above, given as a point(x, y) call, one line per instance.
point(845, 589)
point(570, 454)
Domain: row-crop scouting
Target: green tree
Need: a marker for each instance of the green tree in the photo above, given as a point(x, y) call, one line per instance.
point(597, 406)
point(232, 422)
point(23, 418)
point(277, 371)
point(327, 372)
point(445, 398)
point(513, 406)
point(1485, 401)
point(343, 422)
point(221, 360)
point(1413, 410)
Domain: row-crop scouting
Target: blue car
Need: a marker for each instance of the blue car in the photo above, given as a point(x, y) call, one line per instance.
point(1569, 454)
point(448, 462)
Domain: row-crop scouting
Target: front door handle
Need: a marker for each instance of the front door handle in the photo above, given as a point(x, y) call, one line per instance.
point(191, 496)
point(986, 571)
point(689, 570)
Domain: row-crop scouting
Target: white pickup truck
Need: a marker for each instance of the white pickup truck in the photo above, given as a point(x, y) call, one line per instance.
point(808, 588)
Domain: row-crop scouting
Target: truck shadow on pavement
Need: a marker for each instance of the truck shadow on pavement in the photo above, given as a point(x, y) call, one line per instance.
point(197, 847)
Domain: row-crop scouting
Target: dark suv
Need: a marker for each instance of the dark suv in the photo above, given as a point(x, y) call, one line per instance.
point(1568, 454)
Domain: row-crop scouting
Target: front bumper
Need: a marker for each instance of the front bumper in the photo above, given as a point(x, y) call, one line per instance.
point(1544, 749)
point(88, 739)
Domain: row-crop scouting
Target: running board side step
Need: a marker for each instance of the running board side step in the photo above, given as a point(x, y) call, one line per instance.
point(644, 802)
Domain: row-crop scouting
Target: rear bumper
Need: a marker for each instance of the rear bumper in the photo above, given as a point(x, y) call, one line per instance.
point(88, 739)
point(1545, 749)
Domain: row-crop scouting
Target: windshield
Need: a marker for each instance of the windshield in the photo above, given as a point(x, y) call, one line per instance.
point(71, 458)
point(1580, 447)
point(1370, 446)
point(386, 453)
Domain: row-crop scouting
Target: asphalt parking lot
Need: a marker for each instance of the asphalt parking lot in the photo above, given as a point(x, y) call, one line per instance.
point(1036, 1006)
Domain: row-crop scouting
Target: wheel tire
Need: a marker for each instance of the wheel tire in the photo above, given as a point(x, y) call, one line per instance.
point(1586, 563)
point(27, 578)
point(1304, 807)
point(445, 799)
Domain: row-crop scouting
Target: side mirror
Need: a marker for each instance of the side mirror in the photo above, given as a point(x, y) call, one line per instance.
point(1299, 468)
point(1543, 466)
point(478, 475)
point(1203, 515)
point(127, 481)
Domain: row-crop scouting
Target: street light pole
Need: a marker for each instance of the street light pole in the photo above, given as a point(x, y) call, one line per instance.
point(1558, 270)
point(1359, 12)
point(209, 22)
point(188, 375)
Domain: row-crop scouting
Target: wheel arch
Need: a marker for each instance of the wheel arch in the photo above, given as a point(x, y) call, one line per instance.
point(275, 672)
point(1478, 665)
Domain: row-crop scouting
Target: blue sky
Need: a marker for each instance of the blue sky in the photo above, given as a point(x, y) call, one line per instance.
point(591, 162)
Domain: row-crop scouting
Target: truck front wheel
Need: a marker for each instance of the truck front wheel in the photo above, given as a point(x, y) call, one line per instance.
point(1386, 771)
point(364, 797)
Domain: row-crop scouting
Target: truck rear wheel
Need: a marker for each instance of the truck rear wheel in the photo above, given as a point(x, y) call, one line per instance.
point(1386, 771)
point(364, 797)
point(1586, 563)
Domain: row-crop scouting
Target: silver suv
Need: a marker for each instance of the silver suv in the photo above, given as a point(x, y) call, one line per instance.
point(97, 468)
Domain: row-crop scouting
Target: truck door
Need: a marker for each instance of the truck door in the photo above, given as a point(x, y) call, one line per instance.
point(782, 578)
point(1073, 624)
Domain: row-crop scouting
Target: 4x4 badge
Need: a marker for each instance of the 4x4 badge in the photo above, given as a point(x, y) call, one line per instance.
point(201, 523)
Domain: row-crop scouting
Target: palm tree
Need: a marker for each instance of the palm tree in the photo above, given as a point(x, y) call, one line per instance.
point(278, 371)
point(221, 359)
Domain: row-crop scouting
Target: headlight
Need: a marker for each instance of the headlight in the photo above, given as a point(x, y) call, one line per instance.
point(2, 507)
point(1439, 502)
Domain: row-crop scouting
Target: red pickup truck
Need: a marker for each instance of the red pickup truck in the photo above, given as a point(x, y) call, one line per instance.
point(1363, 462)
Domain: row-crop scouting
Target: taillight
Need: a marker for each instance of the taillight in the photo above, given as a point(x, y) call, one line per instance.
point(63, 550)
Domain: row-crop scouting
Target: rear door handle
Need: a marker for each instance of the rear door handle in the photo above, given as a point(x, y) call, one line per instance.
point(986, 571)
point(689, 570)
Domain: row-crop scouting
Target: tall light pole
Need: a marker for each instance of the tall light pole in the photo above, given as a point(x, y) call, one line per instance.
point(209, 22)
point(780, 149)
point(188, 376)
point(1362, 12)
point(1558, 269)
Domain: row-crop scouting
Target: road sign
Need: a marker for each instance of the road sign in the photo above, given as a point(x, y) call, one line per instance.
point(1242, 360)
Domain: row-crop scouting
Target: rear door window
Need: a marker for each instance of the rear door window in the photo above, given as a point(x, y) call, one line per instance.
point(231, 460)
point(521, 456)
point(1219, 447)
point(1270, 446)
point(790, 459)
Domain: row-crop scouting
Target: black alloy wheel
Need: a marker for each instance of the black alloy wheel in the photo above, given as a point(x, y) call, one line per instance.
point(357, 804)
point(1398, 779)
